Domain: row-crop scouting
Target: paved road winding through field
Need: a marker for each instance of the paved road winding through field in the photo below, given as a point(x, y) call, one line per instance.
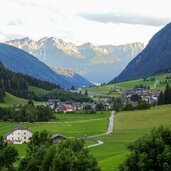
point(109, 131)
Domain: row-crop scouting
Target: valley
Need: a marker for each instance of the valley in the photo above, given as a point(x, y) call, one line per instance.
point(128, 127)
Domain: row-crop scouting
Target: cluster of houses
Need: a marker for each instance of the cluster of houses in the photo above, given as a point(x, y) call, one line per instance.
point(21, 135)
point(72, 106)
point(150, 96)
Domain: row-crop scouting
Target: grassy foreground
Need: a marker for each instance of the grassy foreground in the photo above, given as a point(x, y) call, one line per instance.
point(128, 127)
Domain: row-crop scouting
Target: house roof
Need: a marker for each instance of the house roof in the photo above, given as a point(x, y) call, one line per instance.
point(69, 106)
point(15, 129)
point(57, 135)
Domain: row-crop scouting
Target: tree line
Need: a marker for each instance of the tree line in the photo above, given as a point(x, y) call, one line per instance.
point(26, 113)
point(165, 97)
point(18, 85)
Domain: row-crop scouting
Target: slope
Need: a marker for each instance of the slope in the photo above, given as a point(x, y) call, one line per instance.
point(155, 58)
point(20, 61)
point(94, 62)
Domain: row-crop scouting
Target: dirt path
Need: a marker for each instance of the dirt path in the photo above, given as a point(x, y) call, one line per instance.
point(109, 131)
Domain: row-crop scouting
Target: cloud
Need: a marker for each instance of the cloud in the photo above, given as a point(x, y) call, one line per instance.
point(126, 19)
point(13, 22)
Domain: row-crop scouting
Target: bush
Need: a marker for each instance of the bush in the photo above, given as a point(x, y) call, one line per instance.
point(151, 152)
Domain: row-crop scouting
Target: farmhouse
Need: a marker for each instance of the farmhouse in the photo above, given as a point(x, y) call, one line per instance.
point(57, 138)
point(18, 135)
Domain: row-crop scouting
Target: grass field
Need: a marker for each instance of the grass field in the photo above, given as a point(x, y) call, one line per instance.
point(70, 129)
point(78, 117)
point(11, 100)
point(129, 85)
point(128, 127)
point(37, 90)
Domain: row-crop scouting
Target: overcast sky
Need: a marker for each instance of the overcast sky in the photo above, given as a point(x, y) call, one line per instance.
point(80, 21)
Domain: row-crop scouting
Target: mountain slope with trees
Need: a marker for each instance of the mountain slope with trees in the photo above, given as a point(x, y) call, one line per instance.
point(155, 58)
point(18, 85)
point(20, 61)
point(94, 62)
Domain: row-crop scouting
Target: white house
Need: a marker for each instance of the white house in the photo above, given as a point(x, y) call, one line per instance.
point(18, 135)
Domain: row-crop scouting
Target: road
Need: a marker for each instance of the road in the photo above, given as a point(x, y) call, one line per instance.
point(111, 123)
point(109, 130)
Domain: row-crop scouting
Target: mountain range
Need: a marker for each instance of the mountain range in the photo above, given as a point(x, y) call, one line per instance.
point(20, 61)
point(155, 58)
point(96, 63)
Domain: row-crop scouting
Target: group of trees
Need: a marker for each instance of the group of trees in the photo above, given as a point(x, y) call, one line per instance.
point(68, 155)
point(152, 78)
point(142, 105)
point(26, 113)
point(165, 97)
point(151, 152)
point(8, 155)
point(62, 95)
point(2, 94)
point(18, 85)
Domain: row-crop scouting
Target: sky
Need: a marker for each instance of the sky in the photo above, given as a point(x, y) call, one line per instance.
point(79, 21)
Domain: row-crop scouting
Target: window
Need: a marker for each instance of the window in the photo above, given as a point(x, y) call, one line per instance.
point(18, 138)
point(18, 133)
point(25, 138)
point(12, 138)
point(24, 133)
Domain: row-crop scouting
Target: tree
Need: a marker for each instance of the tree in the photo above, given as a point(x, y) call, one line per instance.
point(9, 156)
point(38, 139)
point(86, 93)
point(161, 99)
point(31, 103)
point(68, 155)
point(166, 94)
point(151, 152)
point(71, 155)
point(135, 98)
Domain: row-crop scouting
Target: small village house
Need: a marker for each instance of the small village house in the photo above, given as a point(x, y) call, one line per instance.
point(18, 135)
point(57, 138)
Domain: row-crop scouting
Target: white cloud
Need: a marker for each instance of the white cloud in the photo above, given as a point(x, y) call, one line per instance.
point(39, 18)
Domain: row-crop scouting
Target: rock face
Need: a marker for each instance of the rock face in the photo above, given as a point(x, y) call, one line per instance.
point(155, 58)
point(20, 61)
point(96, 63)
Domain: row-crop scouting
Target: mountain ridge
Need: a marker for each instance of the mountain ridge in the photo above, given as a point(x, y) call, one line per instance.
point(156, 57)
point(96, 63)
point(20, 61)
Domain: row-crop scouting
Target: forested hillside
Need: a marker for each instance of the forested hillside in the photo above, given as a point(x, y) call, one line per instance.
point(18, 85)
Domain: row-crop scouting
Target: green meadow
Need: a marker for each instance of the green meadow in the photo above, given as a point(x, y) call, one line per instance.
point(128, 127)
point(11, 100)
point(123, 86)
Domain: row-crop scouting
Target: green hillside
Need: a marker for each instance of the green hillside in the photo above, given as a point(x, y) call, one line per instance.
point(106, 89)
point(128, 127)
point(11, 100)
point(37, 90)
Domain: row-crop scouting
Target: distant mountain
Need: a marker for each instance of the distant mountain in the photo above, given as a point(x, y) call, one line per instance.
point(72, 77)
point(20, 61)
point(96, 63)
point(155, 58)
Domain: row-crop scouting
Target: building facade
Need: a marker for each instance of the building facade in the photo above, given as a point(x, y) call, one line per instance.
point(18, 135)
